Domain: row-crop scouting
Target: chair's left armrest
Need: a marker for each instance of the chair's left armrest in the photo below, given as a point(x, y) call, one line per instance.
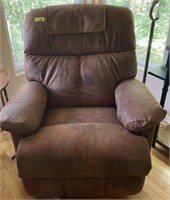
point(23, 113)
point(137, 109)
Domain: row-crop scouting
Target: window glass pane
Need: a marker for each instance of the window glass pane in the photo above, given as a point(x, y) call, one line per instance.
point(140, 9)
point(15, 10)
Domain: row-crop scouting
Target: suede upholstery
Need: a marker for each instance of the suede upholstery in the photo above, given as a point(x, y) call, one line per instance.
point(82, 126)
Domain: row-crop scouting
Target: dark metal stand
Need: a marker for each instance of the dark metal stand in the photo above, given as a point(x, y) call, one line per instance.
point(166, 79)
point(160, 72)
point(150, 38)
point(166, 84)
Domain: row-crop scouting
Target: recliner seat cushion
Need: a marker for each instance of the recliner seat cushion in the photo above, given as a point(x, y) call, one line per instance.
point(80, 115)
point(83, 150)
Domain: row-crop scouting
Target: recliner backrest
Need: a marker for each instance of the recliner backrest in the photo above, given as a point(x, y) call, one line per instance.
point(80, 52)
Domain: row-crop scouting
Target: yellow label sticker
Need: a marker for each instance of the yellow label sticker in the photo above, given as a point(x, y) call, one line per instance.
point(39, 19)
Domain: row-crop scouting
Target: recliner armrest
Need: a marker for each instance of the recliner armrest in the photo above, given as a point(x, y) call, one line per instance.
point(23, 113)
point(137, 109)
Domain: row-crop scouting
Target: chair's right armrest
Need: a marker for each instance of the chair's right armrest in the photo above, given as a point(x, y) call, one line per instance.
point(137, 108)
point(23, 113)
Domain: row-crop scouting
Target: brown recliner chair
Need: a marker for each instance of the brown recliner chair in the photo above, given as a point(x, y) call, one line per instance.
point(82, 126)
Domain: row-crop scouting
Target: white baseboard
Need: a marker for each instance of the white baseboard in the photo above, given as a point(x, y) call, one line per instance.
point(167, 119)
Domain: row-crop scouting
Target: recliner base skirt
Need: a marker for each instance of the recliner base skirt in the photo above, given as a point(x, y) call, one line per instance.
point(115, 187)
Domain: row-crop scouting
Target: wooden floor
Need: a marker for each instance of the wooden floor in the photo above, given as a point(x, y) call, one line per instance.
point(157, 185)
point(164, 134)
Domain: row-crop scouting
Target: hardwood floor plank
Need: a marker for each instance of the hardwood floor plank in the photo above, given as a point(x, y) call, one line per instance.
point(159, 190)
point(167, 189)
point(158, 180)
point(161, 166)
point(151, 193)
point(160, 174)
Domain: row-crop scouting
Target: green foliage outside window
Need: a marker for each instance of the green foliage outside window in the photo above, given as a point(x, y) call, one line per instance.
point(15, 10)
point(140, 9)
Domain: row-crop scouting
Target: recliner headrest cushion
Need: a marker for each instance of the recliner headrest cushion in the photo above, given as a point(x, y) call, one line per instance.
point(74, 19)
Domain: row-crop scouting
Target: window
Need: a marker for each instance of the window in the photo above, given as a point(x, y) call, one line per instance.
point(15, 11)
point(140, 9)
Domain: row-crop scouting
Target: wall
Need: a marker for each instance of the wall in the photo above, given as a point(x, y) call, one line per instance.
point(155, 85)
